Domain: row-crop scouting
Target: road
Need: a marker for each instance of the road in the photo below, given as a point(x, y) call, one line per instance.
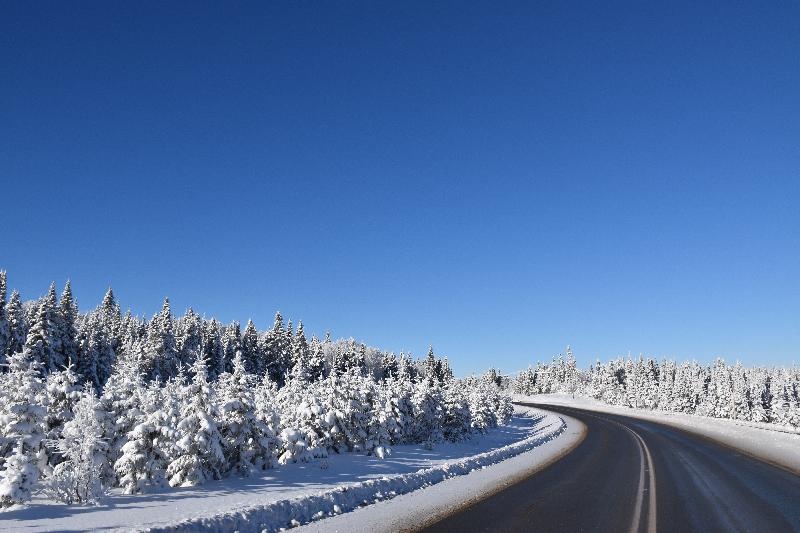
point(631, 475)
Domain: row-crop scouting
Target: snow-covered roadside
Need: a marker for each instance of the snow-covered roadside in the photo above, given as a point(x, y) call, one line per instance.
point(429, 505)
point(769, 444)
point(297, 511)
point(293, 491)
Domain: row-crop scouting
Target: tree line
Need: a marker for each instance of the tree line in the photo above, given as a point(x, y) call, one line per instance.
point(93, 401)
point(754, 394)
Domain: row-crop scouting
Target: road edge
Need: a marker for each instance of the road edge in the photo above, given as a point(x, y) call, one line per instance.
point(423, 507)
point(709, 433)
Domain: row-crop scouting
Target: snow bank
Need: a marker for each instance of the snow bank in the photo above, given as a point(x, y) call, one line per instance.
point(294, 482)
point(427, 506)
point(294, 512)
point(767, 442)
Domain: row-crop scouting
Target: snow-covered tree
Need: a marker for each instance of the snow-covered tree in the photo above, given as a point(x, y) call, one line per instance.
point(161, 347)
point(17, 325)
point(62, 393)
point(200, 455)
point(39, 341)
point(65, 330)
point(22, 426)
point(251, 354)
point(77, 479)
point(143, 459)
point(5, 327)
point(246, 441)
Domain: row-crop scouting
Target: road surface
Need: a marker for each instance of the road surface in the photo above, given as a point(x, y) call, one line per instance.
point(631, 475)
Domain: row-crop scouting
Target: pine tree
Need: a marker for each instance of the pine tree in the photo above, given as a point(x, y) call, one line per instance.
point(66, 332)
point(18, 329)
point(161, 348)
point(316, 360)
point(307, 423)
point(40, 339)
point(122, 409)
point(22, 420)
point(428, 413)
point(457, 418)
point(277, 351)
point(200, 455)
point(188, 337)
point(250, 350)
point(231, 343)
point(300, 353)
point(77, 480)
point(95, 355)
point(62, 393)
point(212, 348)
point(111, 319)
point(430, 368)
point(5, 328)
point(143, 459)
point(246, 441)
point(571, 374)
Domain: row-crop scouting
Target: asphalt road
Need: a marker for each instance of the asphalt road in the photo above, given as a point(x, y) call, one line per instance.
point(632, 475)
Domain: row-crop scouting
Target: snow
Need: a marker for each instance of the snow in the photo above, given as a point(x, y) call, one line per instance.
point(767, 442)
point(302, 491)
point(428, 505)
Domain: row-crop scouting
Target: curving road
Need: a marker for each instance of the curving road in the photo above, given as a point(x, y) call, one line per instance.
point(631, 475)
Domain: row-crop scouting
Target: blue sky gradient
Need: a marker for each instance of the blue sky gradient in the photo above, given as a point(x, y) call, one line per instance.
point(496, 179)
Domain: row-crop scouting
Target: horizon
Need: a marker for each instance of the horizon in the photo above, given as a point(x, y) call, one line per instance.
point(475, 178)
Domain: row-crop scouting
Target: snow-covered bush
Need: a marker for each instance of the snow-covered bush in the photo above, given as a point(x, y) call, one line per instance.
point(307, 426)
point(246, 441)
point(199, 448)
point(77, 479)
point(143, 459)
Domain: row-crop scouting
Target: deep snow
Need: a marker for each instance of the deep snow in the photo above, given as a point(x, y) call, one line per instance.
point(298, 490)
point(428, 505)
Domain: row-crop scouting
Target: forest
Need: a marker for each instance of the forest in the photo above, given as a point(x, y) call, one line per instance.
point(754, 394)
point(100, 400)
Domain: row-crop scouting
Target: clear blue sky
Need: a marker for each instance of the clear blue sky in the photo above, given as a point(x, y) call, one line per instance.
point(497, 179)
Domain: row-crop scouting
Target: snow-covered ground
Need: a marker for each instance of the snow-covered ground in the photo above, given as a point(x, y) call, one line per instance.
point(433, 503)
point(301, 491)
point(767, 442)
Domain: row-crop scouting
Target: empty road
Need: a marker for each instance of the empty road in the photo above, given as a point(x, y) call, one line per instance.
point(631, 475)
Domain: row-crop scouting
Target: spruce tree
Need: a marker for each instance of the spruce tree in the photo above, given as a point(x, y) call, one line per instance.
point(18, 329)
point(231, 343)
point(250, 349)
point(22, 421)
point(66, 332)
point(77, 480)
point(212, 348)
point(62, 393)
point(246, 441)
point(39, 341)
point(199, 450)
point(161, 346)
point(430, 368)
point(188, 337)
point(5, 328)
point(143, 459)
point(300, 353)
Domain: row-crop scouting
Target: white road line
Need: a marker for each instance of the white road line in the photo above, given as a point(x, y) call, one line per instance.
point(637, 513)
point(651, 507)
point(644, 454)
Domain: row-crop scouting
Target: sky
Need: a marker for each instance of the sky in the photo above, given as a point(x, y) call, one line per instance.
point(495, 179)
